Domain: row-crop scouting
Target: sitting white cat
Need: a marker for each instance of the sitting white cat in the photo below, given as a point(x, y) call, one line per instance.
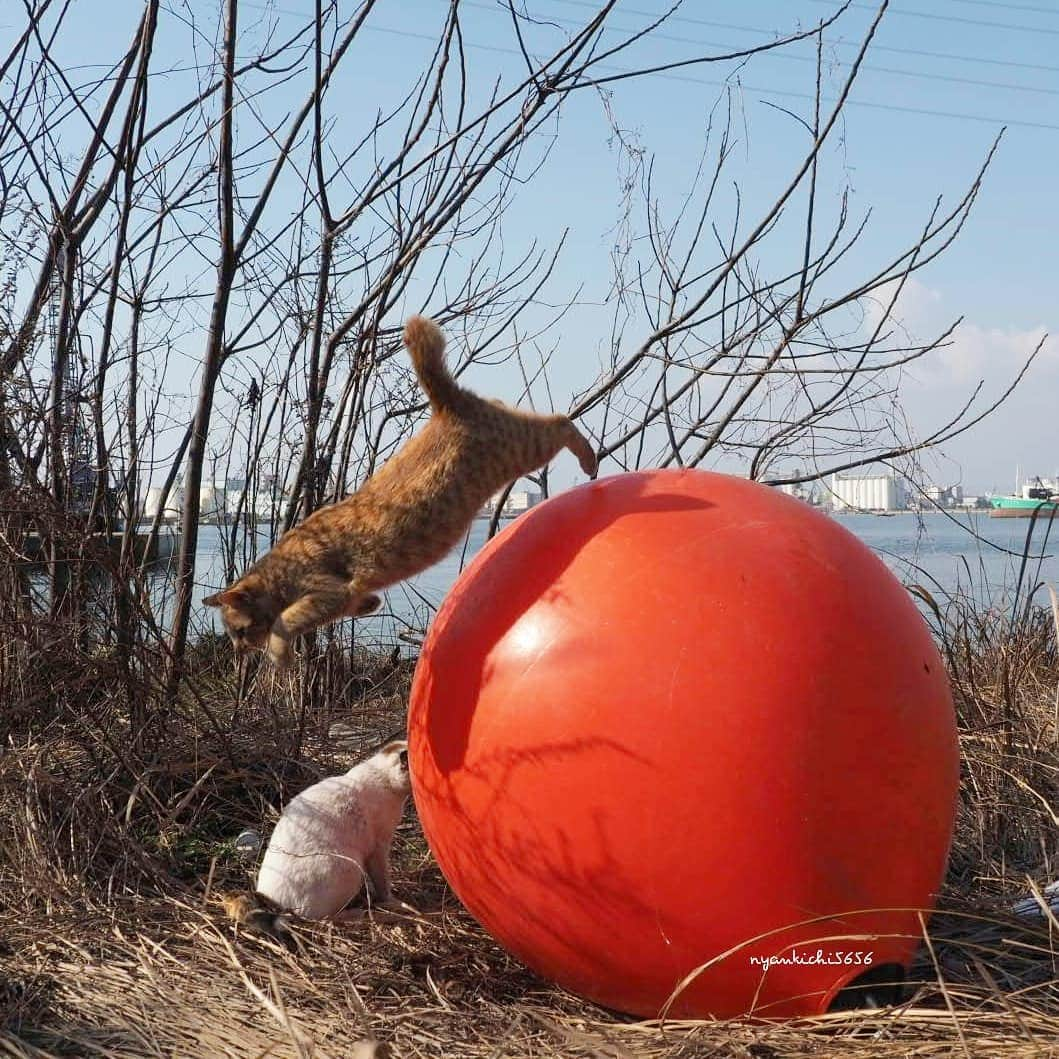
point(330, 840)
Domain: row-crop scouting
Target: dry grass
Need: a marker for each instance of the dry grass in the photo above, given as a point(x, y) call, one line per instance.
point(164, 976)
point(112, 847)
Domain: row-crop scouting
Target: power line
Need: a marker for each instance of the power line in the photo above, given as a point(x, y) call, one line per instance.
point(1013, 122)
point(690, 21)
point(950, 18)
point(976, 59)
point(781, 54)
point(1010, 7)
point(897, 108)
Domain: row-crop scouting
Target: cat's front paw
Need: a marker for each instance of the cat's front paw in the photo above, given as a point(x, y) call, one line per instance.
point(279, 651)
point(367, 605)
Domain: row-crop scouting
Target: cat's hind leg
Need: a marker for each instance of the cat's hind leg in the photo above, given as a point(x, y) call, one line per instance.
point(579, 445)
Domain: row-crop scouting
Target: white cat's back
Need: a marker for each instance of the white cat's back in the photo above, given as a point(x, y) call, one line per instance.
point(314, 864)
point(317, 857)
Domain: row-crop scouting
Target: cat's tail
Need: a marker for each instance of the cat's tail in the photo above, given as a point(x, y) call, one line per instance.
point(254, 911)
point(426, 345)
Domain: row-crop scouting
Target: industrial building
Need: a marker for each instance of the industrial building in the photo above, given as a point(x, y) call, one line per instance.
point(945, 496)
point(518, 501)
point(873, 492)
point(153, 501)
point(219, 502)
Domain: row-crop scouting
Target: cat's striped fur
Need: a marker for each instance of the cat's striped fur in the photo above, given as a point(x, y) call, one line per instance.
point(404, 518)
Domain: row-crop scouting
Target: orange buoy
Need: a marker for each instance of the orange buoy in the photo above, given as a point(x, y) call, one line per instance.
point(677, 738)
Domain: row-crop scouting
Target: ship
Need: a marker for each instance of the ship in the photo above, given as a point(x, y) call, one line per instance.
point(1039, 495)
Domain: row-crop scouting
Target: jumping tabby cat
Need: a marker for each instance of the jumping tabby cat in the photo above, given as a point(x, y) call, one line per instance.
point(404, 518)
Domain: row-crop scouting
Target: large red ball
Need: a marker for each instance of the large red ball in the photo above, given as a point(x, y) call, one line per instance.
point(674, 720)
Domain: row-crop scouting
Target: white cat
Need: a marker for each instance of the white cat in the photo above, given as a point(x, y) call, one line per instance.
point(329, 840)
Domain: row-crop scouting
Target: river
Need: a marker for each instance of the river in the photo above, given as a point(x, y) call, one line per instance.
point(947, 553)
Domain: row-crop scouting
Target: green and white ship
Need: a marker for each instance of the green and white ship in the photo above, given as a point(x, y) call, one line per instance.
point(1037, 495)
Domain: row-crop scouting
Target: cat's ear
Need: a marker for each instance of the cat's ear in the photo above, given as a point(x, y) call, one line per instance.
point(233, 597)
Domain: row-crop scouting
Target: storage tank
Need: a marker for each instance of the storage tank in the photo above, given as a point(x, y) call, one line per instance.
point(153, 501)
point(211, 501)
point(876, 492)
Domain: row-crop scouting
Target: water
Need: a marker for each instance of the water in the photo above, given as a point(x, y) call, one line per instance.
point(964, 552)
point(407, 607)
point(961, 552)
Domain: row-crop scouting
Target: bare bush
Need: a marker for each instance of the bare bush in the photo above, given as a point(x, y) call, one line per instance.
point(204, 267)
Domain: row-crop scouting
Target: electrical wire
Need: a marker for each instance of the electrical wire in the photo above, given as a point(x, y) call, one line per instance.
point(918, 52)
point(867, 104)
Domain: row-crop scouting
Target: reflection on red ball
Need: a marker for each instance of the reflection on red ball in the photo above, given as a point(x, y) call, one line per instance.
point(675, 720)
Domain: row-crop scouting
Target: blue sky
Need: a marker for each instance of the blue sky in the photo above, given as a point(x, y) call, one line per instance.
point(918, 125)
point(1003, 272)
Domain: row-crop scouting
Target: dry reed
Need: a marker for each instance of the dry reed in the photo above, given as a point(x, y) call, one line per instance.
point(111, 852)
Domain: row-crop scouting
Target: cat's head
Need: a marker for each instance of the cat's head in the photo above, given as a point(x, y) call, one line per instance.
point(247, 612)
point(392, 761)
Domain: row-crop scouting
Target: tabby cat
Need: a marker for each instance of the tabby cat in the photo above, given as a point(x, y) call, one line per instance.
point(404, 518)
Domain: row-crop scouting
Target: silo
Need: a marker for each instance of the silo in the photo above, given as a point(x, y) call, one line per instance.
point(153, 501)
point(207, 502)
